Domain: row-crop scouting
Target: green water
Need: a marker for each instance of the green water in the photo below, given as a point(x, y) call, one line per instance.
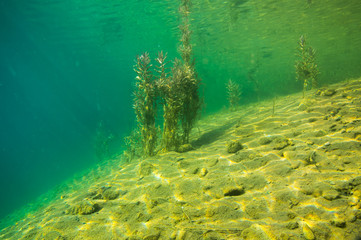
point(68, 65)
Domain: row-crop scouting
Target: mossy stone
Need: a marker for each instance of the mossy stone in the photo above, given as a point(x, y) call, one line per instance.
point(185, 148)
point(265, 140)
point(85, 207)
point(110, 194)
point(145, 169)
point(234, 147)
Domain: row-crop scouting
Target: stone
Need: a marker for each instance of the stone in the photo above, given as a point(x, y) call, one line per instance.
point(85, 207)
point(234, 147)
point(185, 148)
point(145, 169)
point(233, 191)
point(356, 181)
point(203, 172)
point(244, 155)
point(340, 223)
point(328, 92)
point(109, 193)
point(292, 225)
point(330, 194)
point(265, 140)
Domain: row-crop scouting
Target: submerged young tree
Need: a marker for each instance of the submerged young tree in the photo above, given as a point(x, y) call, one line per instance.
point(145, 104)
point(191, 102)
point(178, 93)
point(169, 88)
point(306, 67)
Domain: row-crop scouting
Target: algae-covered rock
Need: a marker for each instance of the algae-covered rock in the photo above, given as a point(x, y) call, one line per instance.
point(280, 142)
point(328, 92)
point(145, 169)
point(244, 155)
point(265, 140)
point(110, 194)
point(185, 148)
point(85, 207)
point(234, 147)
point(203, 172)
point(330, 194)
point(233, 191)
point(106, 193)
point(356, 181)
point(292, 225)
point(340, 223)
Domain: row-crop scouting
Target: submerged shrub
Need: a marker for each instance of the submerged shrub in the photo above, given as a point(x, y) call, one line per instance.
point(145, 104)
point(306, 67)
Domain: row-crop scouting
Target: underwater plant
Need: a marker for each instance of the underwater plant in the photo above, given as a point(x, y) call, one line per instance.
point(133, 146)
point(169, 89)
point(234, 94)
point(306, 67)
point(191, 102)
point(178, 93)
point(145, 104)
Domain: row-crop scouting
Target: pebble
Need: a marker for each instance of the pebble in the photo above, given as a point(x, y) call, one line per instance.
point(203, 172)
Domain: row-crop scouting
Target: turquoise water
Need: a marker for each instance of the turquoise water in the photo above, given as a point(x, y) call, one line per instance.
point(67, 69)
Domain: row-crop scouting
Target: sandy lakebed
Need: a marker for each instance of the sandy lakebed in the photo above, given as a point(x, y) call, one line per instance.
point(283, 169)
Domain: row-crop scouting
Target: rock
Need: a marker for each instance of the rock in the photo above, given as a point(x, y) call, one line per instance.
point(292, 225)
point(233, 191)
point(185, 148)
point(311, 120)
point(85, 207)
point(280, 142)
point(234, 147)
point(330, 194)
point(203, 172)
point(244, 155)
point(356, 181)
point(358, 214)
point(328, 92)
point(265, 140)
point(106, 193)
point(145, 169)
point(339, 223)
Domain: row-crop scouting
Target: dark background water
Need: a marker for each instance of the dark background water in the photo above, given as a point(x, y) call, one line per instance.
point(67, 66)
